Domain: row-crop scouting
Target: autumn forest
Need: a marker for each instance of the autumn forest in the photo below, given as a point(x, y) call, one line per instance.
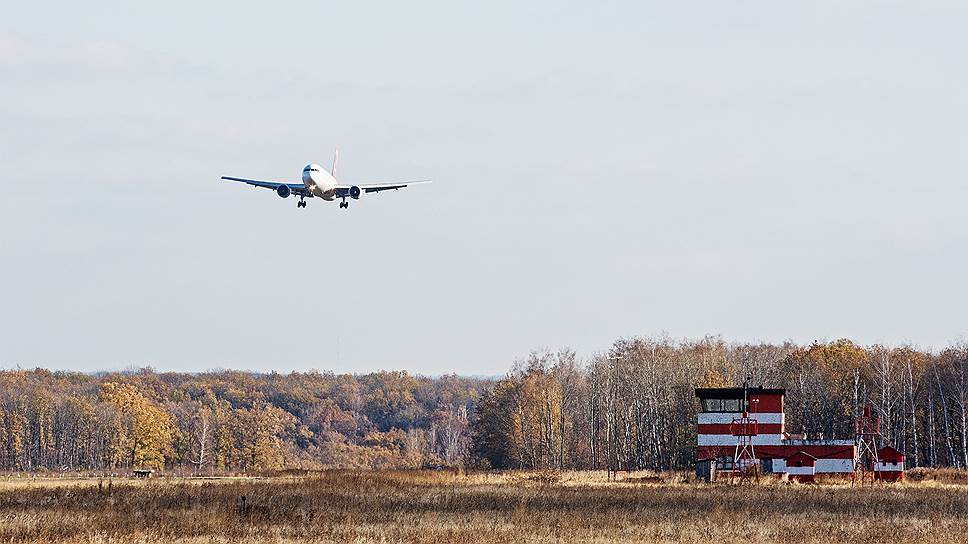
point(632, 407)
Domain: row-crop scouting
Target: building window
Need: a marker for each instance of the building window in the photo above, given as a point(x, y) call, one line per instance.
point(722, 405)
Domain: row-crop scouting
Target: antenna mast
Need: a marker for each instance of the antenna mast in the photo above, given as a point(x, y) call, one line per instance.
point(867, 430)
point(745, 428)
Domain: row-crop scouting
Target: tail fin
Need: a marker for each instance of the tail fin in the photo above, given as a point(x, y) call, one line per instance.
point(335, 162)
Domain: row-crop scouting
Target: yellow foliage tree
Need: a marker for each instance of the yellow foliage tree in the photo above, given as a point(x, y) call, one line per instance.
point(148, 430)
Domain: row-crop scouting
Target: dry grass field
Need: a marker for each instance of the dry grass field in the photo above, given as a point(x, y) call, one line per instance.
point(476, 507)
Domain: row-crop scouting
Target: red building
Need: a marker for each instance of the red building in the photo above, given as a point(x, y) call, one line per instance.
point(773, 446)
point(890, 465)
point(801, 467)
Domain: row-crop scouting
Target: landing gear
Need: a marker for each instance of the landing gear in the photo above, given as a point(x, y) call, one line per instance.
point(344, 204)
point(301, 204)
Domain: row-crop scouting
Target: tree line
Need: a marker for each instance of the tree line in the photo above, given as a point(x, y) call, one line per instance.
point(228, 421)
point(631, 407)
point(634, 406)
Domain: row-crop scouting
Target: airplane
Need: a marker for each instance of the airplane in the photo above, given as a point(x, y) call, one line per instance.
point(317, 182)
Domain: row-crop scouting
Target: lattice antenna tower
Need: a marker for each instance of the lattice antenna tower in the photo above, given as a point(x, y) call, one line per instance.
point(745, 429)
point(867, 430)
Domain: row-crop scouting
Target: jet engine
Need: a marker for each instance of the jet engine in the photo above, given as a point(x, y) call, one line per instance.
point(355, 192)
point(284, 191)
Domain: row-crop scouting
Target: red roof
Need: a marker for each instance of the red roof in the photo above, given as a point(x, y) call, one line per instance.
point(890, 455)
point(801, 459)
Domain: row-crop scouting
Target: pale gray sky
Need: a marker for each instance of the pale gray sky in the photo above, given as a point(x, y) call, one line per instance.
point(761, 170)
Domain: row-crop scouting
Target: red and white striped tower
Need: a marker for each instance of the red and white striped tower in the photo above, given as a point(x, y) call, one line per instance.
point(722, 435)
point(867, 430)
point(744, 428)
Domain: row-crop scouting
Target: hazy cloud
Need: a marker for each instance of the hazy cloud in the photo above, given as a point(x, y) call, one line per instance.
point(97, 54)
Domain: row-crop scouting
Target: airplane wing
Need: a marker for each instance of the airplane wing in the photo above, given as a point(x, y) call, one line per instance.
point(296, 188)
point(377, 187)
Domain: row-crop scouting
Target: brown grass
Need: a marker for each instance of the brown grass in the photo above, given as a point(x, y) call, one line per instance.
point(476, 507)
point(940, 475)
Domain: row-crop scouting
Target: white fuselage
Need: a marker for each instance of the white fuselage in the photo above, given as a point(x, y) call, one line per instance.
point(319, 182)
